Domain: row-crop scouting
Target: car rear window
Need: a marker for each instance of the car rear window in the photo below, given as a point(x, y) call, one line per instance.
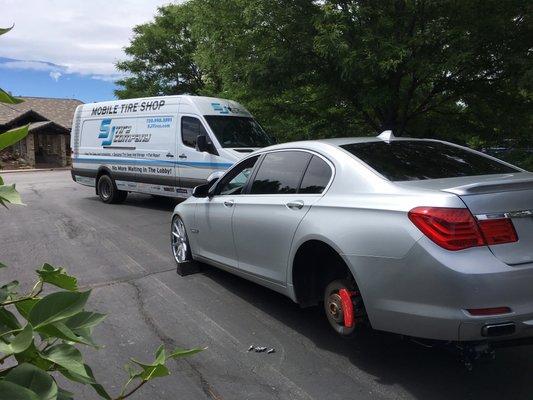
point(316, 177)
point(409, 160)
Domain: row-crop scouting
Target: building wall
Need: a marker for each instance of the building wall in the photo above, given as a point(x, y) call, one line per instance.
point(41, 147)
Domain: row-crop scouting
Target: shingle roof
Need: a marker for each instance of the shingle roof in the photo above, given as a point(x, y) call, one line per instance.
point(60, 111)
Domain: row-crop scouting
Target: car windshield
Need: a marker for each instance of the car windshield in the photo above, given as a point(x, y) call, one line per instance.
point(409, 160)
point(238, 131)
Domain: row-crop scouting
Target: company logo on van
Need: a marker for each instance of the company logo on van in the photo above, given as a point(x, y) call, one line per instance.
point(120, 134)
point(223, 109)
point(106, 132)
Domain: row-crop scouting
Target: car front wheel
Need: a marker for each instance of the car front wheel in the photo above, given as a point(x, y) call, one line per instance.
point(181, 248)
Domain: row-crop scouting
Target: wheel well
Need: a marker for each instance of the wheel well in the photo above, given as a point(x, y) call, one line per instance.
point(315, 265)
point(101, 171)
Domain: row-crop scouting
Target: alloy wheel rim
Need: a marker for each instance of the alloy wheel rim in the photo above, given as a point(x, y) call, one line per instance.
point(179, 241)
point(105, 189)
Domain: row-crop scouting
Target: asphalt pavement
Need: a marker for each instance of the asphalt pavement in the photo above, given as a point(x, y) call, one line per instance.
point(122, 253)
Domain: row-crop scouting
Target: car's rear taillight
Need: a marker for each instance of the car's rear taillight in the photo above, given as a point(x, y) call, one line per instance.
point(498, 231)
point(451, 228)
point(457, 229)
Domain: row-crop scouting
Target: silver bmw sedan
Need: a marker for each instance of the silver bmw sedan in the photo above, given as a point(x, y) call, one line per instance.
point(413, 236)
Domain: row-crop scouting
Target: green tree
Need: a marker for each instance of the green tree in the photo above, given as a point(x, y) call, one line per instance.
point(307, 69)
point(161, 57)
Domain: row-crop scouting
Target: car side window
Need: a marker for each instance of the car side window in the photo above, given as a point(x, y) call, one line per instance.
point(191, 128)
point(235, 181)
point(316, 177)
point(280, 172)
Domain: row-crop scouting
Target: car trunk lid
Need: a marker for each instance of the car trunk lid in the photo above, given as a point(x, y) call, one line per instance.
point(496, 196)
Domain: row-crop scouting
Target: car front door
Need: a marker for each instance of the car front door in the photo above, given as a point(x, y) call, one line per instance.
point(214, 215)
point(267, 216)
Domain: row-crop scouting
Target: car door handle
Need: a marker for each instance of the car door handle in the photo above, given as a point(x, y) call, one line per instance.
point(170, 155)
point(295, 205)
point(182, 155)
point(228, 203)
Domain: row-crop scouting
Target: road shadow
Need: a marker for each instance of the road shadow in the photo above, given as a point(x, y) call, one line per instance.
point(426, 373)
point(147, 201)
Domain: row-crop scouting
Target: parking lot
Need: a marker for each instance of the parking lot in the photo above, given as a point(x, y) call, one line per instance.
point(122, 253)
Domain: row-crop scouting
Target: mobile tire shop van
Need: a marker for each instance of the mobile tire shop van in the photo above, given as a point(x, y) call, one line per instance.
point(159, 145)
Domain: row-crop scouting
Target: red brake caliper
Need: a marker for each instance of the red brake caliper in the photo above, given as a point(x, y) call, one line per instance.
point(347, 307)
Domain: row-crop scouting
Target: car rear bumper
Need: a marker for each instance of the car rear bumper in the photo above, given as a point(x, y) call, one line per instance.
point(426, 294)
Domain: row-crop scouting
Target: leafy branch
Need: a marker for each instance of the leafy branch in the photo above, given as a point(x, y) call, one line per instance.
point(44, 342)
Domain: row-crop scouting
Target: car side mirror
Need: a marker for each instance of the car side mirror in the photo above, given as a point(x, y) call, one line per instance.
point(207, 189)
point(201, 191)
point(201, 143)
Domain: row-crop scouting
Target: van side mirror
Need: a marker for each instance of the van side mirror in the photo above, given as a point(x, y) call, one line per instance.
point(201, 143)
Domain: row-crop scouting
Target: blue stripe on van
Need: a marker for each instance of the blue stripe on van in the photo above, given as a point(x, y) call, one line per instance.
point(150, 162)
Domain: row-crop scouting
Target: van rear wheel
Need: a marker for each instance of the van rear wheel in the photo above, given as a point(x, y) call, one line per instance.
point(108, 192)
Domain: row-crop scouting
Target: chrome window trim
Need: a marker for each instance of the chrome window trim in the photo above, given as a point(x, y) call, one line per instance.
point(312, 152)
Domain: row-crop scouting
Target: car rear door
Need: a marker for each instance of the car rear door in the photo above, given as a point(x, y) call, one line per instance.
point(267, 216)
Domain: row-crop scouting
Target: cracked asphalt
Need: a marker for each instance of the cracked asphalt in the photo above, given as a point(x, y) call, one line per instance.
point(121, 252)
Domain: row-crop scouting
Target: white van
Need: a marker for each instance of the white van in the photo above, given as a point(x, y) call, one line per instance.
point(160, 145)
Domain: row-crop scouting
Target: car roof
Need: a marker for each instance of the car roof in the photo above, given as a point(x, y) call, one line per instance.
point(337, 142)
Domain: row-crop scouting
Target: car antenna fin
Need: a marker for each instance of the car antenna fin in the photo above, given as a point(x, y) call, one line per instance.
point(387, 136)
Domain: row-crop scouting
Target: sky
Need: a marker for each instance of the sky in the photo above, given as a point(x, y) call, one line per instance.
point(67, 48)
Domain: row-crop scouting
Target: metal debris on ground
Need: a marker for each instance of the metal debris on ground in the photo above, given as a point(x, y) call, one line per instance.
point(261, 349)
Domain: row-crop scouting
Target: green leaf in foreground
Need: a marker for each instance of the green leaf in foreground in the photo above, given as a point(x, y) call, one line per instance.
point(57, 277)
point(68, 357)
point(14, 135)
point(8, 290)
point(82, 379)
point(84, 319)
point(5, 97)
point(25, 306)
point(33, 356)
point(12, 391)
point(20, 342)
point(34, 379)
point(6, 30)
point(184, 353)
point(157, 368)
point(60, 330)
point(9, 194)
point(57, 306)
point(63, 394)
point(8, 319)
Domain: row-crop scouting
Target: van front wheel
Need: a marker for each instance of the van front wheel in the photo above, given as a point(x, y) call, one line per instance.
point(108, 192)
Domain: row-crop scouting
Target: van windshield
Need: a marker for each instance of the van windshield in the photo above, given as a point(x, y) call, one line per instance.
point(238, 131)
